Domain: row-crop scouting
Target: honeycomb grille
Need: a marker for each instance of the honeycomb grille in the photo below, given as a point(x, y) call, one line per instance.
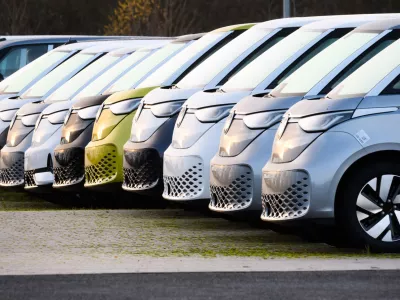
point(292, 202)
point(142, 169)
point(29, 179)
point(105, 167)
point(187, 186)
point(70, 169)
point(12, 169)
point(231, 192)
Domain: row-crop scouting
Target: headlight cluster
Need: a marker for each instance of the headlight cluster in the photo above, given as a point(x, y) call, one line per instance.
point(110, 115)
point(166, 109)
point(212, 114)
point(149, 118)
point(20, 127)
point(44, 126)
point(239, 132)
point(76, 121)
point(193, 123)
point(87, 113)
point(323, 122)
point(8, 115)
point(263, 120)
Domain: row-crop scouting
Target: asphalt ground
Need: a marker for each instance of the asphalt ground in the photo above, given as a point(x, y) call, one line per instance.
point(267, 285)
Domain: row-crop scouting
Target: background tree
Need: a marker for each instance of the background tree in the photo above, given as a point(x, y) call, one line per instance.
point(131, 17)
point(161, 17)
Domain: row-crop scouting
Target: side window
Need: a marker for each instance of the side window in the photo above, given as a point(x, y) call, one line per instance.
point(305, 57)
point(18, 57)
point(257, 52)
point(362, 59)
point(210, 52)
point(393, 87)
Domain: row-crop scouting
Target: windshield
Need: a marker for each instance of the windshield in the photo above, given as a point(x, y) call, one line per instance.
point(171, 66)
point(308, 75)
point(256, 71)
point(104, 80)
point(210, 68)
point(66, 69)
point(68, 89)
point(366, 77)
point(20, 79)
point(142, 69)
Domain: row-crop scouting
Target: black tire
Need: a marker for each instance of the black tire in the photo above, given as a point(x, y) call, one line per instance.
point(348, 205)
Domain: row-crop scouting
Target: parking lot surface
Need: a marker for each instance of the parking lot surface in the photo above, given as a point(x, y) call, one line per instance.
point(268, 285)
point(39, 237)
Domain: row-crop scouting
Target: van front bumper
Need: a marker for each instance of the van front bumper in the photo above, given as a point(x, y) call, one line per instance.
point(187, 171)
point(305, 188)
point(103, 158)
point(235, 181)
point(143, 161)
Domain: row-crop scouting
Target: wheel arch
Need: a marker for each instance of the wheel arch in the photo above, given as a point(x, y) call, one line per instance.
point(368, 158)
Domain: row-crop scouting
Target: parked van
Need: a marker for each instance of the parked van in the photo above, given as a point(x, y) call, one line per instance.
point(246, 142)
point(16, 85)
point(202, 118)
point(112, 128)
point(152, 132)
point(68, 159)
point(82, 68)
point(336, 158)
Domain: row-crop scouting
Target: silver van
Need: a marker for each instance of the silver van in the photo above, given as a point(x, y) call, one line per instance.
point(186, 169)
point(246, 143)
point(336, 158)
point(152, 132)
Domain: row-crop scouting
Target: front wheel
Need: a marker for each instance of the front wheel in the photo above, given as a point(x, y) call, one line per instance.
point(368, 207)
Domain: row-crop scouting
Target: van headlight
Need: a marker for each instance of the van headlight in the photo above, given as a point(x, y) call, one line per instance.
point(21, 127)
point(54, 118)
point(263, 119)
point(124, 107)
point(167, 109)
point(323, 122)
point(76, 122)
point(8, 115)
point(212, 114)
point(110, 115)
point(57, 117)
point(44, 128)
point(120, 108)
point(30, 120)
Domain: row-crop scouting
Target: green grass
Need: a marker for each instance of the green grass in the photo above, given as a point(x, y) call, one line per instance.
point(23, 201)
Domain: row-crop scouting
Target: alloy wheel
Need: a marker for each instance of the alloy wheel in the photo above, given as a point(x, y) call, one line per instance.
point(378, 208)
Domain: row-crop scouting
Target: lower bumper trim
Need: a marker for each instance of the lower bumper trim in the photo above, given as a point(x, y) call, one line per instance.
point(285, 195)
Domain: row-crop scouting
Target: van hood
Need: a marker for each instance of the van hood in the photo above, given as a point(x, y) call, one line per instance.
point(5, 96)
point(323, 105)
point(160, 95)
point(204, 99)
point(89, 101)
point(252, 104)
point(8, 104)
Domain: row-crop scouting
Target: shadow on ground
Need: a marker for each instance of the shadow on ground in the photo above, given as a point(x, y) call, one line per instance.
point(19, 200)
